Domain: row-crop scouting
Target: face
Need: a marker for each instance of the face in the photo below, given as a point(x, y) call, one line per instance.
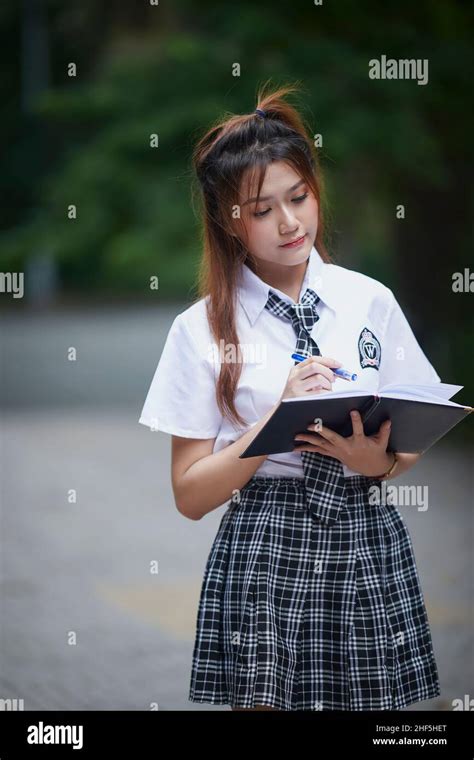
point(288, 214)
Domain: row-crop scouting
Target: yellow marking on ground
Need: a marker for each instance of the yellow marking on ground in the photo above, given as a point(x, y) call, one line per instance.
point(172, 607)
point(447, 614)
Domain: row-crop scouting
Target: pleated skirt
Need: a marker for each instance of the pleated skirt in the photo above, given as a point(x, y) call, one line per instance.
point(298, 615)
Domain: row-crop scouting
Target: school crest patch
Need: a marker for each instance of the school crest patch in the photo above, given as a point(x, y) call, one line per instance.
point(369, 349)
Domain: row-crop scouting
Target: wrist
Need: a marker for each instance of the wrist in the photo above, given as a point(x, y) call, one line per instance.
point(391, 467)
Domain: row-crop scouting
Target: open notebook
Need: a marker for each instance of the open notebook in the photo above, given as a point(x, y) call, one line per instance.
point(420, 415)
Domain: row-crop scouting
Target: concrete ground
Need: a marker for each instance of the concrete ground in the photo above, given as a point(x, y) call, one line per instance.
point(85, 624)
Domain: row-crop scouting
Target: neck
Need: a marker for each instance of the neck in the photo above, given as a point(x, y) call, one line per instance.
point(287, 279)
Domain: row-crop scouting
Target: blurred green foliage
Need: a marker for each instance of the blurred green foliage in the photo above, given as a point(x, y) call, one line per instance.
point(168, 70)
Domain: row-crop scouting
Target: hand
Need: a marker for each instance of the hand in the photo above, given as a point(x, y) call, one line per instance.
point(313, 375)
point(364, 454)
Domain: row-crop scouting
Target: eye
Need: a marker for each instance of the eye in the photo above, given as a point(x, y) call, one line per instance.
point(300, 199)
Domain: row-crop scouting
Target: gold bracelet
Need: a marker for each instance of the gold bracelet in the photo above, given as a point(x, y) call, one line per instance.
point(392, 467)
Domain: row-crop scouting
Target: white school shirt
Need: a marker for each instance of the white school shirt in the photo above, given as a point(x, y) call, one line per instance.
point(360, 324)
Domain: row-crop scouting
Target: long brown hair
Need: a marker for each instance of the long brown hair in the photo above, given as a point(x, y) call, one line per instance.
point(234, 146)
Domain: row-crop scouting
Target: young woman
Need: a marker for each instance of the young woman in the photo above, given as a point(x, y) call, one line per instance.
point(311, 598)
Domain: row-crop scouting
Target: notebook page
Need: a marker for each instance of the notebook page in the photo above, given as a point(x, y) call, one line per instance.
point(439, 390)
point(329, 394)
point(427, 398)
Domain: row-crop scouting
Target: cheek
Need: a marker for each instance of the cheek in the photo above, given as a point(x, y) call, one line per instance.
point(257, 233)
point(312, 208)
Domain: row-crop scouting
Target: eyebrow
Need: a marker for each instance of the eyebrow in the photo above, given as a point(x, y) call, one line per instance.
point(270, 197)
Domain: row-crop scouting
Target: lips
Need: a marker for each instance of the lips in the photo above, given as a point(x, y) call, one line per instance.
point(294, 242)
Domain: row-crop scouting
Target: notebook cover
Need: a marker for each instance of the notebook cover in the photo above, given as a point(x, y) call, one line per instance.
point(416, 425)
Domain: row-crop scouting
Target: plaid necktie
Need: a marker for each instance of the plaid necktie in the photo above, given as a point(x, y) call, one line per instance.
point(323, 475)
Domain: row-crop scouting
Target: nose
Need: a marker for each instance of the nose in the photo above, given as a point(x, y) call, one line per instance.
point(288, 223)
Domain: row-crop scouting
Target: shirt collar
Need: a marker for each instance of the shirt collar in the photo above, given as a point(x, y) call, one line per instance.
point(253, 292)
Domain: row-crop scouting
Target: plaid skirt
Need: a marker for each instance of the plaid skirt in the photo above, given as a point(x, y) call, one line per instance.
point(299, 615)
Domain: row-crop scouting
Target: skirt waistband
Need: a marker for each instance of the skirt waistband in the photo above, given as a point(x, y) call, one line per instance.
point(356, 482)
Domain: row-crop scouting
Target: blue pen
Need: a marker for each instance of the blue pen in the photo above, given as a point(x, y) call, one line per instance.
point(337, 371)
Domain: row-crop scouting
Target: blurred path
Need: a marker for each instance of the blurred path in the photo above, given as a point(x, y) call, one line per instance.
point(85, 566)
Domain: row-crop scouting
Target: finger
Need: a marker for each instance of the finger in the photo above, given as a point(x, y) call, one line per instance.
point(311, 447)
point(313, 367)
point(326, 360)
point(329, 361)
point(317, 381)
point(357, 426)
point(317, 450)
point(313, 438)
point(384, 433)
point(331, 437)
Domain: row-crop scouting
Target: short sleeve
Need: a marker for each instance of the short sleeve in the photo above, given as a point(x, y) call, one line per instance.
point(402, 359)
point(181, 399)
